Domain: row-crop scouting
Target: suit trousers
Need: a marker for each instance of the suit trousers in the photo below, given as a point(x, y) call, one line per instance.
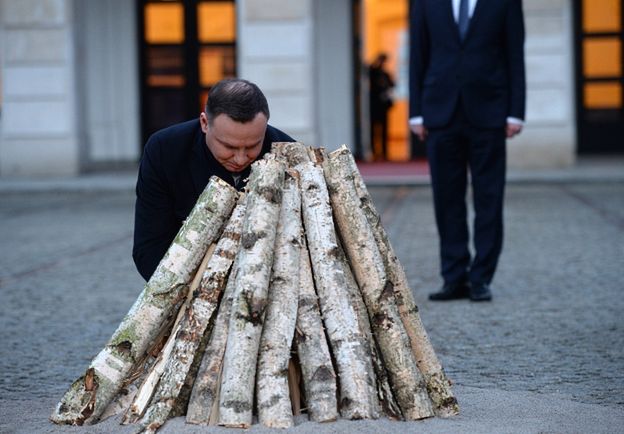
point(454, 151)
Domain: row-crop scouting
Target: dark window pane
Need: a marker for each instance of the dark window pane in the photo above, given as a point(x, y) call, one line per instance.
point(165, 66)
point(164, 107)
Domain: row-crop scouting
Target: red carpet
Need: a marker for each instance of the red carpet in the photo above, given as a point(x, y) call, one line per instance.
point(416, 171)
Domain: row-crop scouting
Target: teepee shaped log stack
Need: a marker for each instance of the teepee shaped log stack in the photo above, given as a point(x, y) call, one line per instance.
point(289, 295)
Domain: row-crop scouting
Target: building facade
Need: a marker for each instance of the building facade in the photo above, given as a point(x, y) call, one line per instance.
point(84, 82)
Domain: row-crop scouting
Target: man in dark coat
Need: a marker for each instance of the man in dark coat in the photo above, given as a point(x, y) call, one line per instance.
point(467, 95)
point(178, 162)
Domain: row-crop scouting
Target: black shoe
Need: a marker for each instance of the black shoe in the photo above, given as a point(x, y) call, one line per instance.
point(480, 292)
point(451, 291)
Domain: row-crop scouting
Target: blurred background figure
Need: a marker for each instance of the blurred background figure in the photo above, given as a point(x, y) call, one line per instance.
point(381, 99)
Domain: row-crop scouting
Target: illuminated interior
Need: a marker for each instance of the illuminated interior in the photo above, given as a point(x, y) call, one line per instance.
point(385, 30)
point(602, 54)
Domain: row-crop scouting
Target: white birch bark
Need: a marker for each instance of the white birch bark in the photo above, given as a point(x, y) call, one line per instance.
point(438, 385)
point(203, 403)
point(348, 345)
point(89, 395)
point(292, 153)
point(319, 378)
point(274, 405)
point(252, 281)
point(407, 381)
point(387, 400)
point(146, 390)
point(189, 333)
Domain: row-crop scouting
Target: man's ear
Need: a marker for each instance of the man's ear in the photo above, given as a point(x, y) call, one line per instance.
point(203, 120)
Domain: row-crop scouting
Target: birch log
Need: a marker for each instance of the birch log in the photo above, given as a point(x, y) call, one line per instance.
point(250, 299)
point(190, 331)
point(203, 403)
point(319, 378)
point(407, 381)
point(383, 389)
point(146, 390)
point(89, 395)
point(438, 385)
point(291, 153)
point(348, 345)
point(274, 405)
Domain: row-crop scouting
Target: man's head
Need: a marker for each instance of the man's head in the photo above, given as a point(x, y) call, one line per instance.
point(234, 121)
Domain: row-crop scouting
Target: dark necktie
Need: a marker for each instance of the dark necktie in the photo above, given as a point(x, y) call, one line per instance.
point(463, 19)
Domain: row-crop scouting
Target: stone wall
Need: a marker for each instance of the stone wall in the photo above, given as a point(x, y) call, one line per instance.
point(549, 138)
point(275, 50)
point(38, 121)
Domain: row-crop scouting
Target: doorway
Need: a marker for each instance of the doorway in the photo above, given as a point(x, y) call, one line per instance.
point(599, 46)
point(384, 29)
point(186, 46)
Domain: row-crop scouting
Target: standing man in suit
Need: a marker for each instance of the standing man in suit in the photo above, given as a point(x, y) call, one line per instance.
point(178, 162)
point(467, 95)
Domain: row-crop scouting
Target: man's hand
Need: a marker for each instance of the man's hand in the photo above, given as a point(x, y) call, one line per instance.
point(420, 130)
point(513, 129)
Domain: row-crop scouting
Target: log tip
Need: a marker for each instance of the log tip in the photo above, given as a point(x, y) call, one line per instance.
point(216, 181)
point(342, 150)
point(449, 408)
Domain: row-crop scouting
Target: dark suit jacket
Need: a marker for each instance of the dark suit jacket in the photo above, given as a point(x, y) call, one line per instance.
point(485, 72)
point(175, 168)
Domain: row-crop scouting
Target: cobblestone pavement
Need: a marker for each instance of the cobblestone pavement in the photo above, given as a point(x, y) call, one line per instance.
point(67, 279)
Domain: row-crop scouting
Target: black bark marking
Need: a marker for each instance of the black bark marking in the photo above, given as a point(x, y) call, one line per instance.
point(382, 320)
point(334, 252)
point(323, 373)
point(271, 194)
point(250, 238)
point(238, 406)
point(271, 402)
point(124, 348)
point(388, 291)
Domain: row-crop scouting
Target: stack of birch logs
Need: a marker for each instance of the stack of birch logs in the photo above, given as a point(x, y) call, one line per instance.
point(285, 299)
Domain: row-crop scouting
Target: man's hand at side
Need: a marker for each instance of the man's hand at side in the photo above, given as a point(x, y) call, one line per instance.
point(420, 130)
point(513, 129)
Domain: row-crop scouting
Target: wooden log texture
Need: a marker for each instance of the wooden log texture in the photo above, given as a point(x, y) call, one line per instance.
point(347, 343)
point(438, 385)
point(319, 378)
point(360, 245)
point(274, 405)
point(387, 401)
point(89, 395)
point(291, 153)
point(203, 403)
point(147, 386)
point(263, 200)
point(189, 333)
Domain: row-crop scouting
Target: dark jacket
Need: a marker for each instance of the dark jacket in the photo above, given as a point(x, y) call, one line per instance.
point(485, 72)
point(175, 168)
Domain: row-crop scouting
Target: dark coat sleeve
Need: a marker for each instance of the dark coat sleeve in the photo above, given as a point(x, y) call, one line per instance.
point(418, 57)
point(154, 222)
point(275, 135)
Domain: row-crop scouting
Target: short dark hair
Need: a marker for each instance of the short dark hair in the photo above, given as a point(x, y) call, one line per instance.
point(240, 99)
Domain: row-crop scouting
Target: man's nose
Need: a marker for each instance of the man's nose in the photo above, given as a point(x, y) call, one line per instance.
point(240, 157)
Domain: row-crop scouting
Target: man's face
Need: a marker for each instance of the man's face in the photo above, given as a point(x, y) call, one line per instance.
point(234, 144)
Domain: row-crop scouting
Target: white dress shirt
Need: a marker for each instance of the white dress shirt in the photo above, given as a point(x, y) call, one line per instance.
point(471, 8)
point(418, 120)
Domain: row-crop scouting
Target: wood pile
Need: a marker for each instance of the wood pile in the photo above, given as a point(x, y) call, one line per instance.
point(284, 300)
